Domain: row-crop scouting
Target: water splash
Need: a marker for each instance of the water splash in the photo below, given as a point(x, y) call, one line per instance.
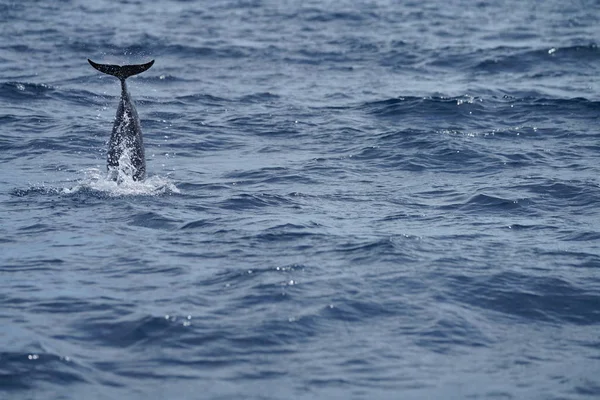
point(117, 182)
point(125, 170)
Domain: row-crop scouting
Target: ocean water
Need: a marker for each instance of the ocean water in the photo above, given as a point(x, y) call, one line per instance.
point(345, 200)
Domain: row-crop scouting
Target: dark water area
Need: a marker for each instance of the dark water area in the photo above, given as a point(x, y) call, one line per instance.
point(345, 200)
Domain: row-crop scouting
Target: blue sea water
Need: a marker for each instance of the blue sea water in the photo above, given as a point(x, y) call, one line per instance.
point(346, 200)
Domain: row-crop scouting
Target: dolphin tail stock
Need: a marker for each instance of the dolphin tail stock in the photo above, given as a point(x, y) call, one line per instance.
point(121, 71)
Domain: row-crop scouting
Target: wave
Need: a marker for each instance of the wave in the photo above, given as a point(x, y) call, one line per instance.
point(529, 297)
point(247, 201)
point(542, 62)
point(434, 105)
point(25, 91)
point(147, 46)
point(21, 370)
point(420, 107)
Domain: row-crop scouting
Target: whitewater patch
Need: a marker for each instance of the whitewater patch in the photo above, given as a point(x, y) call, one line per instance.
point(117, 182)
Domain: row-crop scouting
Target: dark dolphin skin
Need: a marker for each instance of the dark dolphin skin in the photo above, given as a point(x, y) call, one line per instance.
point(127, 133)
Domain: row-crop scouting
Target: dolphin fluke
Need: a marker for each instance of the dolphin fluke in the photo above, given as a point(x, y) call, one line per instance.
point(126, 146)
point(121, 71)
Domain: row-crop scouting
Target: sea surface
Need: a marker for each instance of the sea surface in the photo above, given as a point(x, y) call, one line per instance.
point(345, 200)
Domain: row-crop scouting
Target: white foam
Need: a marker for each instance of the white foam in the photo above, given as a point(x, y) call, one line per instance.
point(118, 182)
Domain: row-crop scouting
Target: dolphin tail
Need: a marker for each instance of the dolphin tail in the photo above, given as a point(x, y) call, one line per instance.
point(121, 71)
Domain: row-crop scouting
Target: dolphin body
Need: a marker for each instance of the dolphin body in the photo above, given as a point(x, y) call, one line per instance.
point(126, 137)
